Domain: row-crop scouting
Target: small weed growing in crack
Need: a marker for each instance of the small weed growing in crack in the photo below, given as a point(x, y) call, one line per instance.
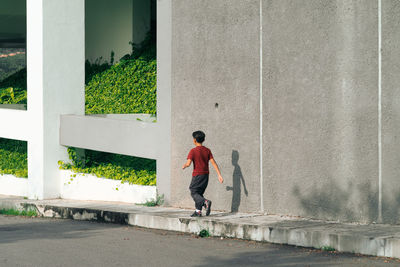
point(204, 233)
point(158, 201)
point(327, 248)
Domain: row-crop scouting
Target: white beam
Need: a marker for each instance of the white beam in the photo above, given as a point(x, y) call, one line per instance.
point(133, 138)
point(15, 124)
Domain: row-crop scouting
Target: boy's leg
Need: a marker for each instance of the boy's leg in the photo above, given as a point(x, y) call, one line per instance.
point(206, 202)
point(198, 199)
point(197, 187)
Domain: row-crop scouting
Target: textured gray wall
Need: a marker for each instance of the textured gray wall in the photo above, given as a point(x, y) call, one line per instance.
point(215, 59)
point(320, 103)
point(391, 110)
point(320, 108)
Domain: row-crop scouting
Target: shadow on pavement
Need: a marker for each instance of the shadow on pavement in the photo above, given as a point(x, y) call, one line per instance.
point(12, 230)
point(280, 256)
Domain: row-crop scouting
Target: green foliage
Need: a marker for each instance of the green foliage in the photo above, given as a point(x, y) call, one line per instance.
point(327, 248)
point(204, 233)
point(14, 212)
point(12, 77)
point(13, 88)
point(147, 50)
point(127, 169)
point(13, 157)
point(158, 201)
point(127, 87)
point(92, 69)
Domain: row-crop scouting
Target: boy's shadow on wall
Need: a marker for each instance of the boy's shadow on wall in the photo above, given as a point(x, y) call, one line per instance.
point(237, 180)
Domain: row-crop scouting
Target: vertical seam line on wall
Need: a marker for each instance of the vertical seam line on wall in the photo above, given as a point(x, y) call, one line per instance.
point(261, 112)
point(380, 110)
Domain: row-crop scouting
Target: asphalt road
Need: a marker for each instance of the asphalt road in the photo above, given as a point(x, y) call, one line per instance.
point(50, 242)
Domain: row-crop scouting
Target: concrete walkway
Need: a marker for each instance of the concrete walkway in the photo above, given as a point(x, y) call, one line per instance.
point(375, 239)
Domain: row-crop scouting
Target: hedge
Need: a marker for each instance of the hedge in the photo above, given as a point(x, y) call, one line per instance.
point(14, 159)
point(12, 77)
point(132, 170)
point(13, 88)
point(127, 169)
point(127, 87)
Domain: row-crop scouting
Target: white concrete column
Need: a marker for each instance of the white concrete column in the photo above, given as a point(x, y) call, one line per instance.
point(56, 73)
point(164, 37)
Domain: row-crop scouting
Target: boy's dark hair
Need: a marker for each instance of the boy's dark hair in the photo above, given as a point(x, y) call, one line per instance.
point(199, 136)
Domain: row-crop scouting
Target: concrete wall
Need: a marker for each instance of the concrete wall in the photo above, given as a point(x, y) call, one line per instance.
point(90, 187)
point(215, 59)
point(108, 27)
point(320, 104)
point(320, 92)
point(111, 25)
point(13, 186)
point(391, 110)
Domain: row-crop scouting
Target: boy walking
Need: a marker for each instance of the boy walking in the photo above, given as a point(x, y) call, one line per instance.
point(200, 156)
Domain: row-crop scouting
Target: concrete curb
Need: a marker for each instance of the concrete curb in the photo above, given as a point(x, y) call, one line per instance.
point(377, 240)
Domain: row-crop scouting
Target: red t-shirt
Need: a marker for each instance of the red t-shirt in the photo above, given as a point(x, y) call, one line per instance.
point(200, 155)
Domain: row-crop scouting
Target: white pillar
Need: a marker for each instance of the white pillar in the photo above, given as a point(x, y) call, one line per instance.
point(164, 37)
point(55, 62)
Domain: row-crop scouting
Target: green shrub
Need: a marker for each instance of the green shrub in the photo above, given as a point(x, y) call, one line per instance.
point(127, 169)
point(158, 201)
point(13, 88)
point(127, 87)
point(12, 77)
point(14, 212)
point(328, 248)
point(13, 157)
point(204, 233)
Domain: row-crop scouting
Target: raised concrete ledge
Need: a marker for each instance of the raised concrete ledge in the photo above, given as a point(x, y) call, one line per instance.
point(127, 117)
point(90, 187)
point(11, 185)
point(377, 240)
point(13, 106)
point(127, 137)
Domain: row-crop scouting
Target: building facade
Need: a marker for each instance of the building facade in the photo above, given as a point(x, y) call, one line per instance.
point(298, 100)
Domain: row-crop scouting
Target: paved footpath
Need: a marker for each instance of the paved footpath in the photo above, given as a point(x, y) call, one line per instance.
point(48, 242)
point(375, 239)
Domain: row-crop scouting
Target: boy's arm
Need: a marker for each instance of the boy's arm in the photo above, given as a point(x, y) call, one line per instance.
point(221, 180)
point(187, 164)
